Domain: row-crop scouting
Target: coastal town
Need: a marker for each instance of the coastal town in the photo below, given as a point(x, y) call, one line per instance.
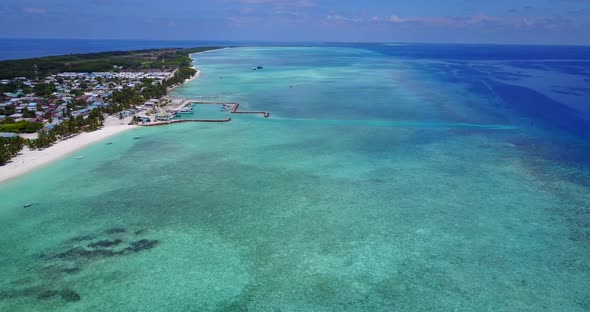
point(45, 106)
point(50, 102)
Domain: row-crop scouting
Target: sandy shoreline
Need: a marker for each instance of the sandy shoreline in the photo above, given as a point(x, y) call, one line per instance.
point(29, 160)
point(197, 75)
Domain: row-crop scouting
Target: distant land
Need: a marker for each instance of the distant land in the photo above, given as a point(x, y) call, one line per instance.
point(11, 49)
point(98, 62)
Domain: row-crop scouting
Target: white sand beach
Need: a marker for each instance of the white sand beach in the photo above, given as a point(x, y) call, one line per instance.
point(29, 160)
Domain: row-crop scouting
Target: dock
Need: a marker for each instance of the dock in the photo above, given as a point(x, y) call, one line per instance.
point(233, 110)
point(162, 123)
point(183, 103)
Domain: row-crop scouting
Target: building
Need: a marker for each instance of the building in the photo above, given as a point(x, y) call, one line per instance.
point(151, 103)
point(164, 117)
point(144, 119)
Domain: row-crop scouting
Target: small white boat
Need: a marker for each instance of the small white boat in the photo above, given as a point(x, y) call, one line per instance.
point(81, 157)
point(186, 110)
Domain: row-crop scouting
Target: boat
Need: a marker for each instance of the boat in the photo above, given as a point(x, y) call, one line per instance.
point(186, 110)
point(81, 157)
point(27, 205)
point(259, 67)
point(137, 138)
point(110, 143)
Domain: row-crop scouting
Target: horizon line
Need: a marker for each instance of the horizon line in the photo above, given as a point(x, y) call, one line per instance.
point(308, 42)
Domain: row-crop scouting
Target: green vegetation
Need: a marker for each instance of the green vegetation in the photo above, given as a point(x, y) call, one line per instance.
point(166, 59)
point(8, 110)
point(69, 127)
point(183, 73)
point(151, 90)
point(44, 89)
point(10, 147)
point(8, 125)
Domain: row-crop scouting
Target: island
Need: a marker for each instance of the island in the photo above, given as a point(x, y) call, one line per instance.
point(59, 104)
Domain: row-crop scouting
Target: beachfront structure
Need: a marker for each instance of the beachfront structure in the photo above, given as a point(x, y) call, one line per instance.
point(164, 117)
point(151, 103)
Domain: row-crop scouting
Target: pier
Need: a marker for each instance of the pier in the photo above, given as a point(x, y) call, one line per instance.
point(233, 110)
point(162, 123)
point(183, 103)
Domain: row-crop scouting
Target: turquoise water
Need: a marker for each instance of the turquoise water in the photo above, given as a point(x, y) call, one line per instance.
point(378, 184)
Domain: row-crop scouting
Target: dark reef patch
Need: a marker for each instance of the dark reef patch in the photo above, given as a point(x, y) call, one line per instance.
point(70, 258)
point(17, 293)
point(67, 294)
point(105, 243)
point(94, 252)
point(141, 245)
point(80, 252)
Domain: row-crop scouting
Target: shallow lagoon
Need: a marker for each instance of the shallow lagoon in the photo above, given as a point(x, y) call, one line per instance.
point(379, 183)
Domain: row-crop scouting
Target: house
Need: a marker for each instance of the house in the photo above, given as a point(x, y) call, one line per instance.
point(81, 112)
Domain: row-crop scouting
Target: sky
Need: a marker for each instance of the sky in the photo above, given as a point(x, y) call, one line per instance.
point(445, 21)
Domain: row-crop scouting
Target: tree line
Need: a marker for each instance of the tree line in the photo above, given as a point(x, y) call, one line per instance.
point(97, 62)
point(69, 127)
point(10, 147)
